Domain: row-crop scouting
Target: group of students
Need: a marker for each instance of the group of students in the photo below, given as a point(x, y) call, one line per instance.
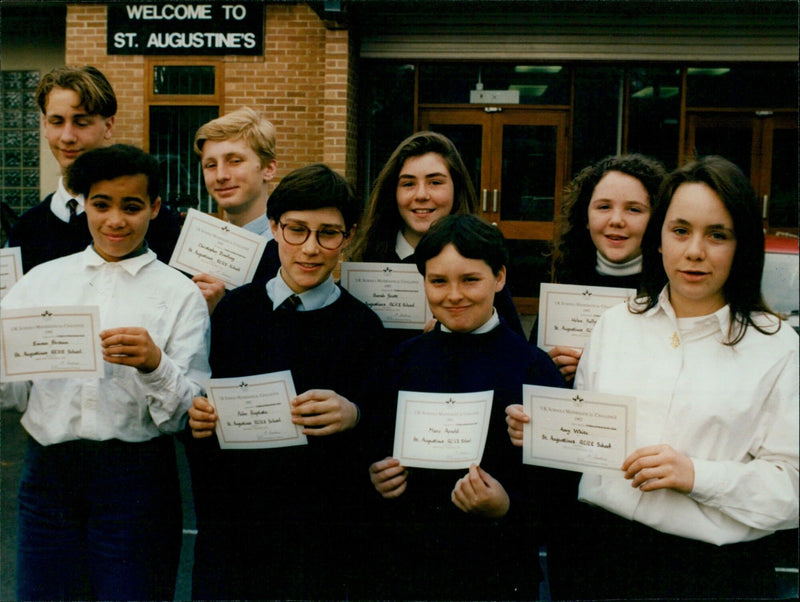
point(715, 373)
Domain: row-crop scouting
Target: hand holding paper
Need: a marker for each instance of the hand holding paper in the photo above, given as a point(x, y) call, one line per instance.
point(566, 358)
point(213, 289)
point(659, 467)
point(130, 346)
point(516, 419)
point(202, 418)
point(389, 477)
point(323, 412)
point(479, 493)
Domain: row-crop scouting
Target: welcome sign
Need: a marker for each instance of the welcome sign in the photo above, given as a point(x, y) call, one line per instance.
point(211, 28)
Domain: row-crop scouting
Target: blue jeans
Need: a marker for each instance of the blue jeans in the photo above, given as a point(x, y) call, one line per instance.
point(99, 520)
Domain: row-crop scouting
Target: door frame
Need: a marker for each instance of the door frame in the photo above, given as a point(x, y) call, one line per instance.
point(762, 126)
point(492, 119)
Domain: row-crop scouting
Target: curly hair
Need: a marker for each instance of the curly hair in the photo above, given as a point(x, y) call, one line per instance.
point(376, 234)
point(576, 255)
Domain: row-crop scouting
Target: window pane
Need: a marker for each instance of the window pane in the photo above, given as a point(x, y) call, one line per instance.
point(468, 140)
point(596, 114)
point(732, 142)
point(172, 131)
point(530, 266)
point(783, 201)
point(453, 82)
point(179, 79)
point(655, 105)
point(387, 115)
point(19, 145)
point(529, 170)
point(753, 86)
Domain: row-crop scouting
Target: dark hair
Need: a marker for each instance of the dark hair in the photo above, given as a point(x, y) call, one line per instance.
point(381, 222)
point(742, 289)
point(314, 187)
point(576, 255)
point(95, 93)
point(470, 235)
point(110, 162)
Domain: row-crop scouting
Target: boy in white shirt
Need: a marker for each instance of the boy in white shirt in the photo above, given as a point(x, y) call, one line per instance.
point(99, 502)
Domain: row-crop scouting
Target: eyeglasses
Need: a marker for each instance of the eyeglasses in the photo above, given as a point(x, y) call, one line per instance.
point(327, 237)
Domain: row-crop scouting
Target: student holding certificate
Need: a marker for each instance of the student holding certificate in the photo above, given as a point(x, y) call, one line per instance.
point(424, 179)
point(464, 533)
point(605, 214)
point(284, 522)
point(99, 500)
point(715, 373)
point(237, 156)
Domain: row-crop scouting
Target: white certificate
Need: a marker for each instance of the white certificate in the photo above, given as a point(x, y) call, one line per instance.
point(10, 268)
point(50, 342)
point(255, 411)
point(568, 312)
point(394, 291)
point(441, 430)
point(212, 246)
point(577, 430)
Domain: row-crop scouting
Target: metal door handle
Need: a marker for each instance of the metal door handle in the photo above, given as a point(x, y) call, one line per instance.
point(485, 202)
point(765, 210)
point(495, 196)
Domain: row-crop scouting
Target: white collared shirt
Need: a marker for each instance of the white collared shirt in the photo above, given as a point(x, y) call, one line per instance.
point(125, 404)
point(487, 326)
point(318, 297)
point(402, 247)
point(732, 410)
point(59, 200)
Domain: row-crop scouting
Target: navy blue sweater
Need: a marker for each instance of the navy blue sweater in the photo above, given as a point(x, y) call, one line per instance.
point(266, 516)
point(433, 549)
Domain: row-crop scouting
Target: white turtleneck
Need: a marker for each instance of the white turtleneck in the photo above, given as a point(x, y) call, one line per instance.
point(609, 268)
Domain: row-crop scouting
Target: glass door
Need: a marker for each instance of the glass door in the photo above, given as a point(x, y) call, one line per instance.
point(517, 160)
point(765, 147)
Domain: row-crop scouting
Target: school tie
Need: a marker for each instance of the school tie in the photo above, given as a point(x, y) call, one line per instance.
point(72, 204)
point(291, 303)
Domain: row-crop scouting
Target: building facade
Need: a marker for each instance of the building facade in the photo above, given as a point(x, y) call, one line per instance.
point(530, 91)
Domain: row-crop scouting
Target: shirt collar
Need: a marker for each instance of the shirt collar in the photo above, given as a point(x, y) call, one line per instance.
point(318, 297)
point(402, 247)
point(487, 326)
point(132, 265)
point(722, 316)
point(58, 202)
point(260, 226)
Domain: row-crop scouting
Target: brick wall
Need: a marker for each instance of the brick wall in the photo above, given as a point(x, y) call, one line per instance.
point(303, 82)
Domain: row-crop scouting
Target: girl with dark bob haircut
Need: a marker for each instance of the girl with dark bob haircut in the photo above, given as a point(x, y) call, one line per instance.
point(743, 287)
point(470, 235)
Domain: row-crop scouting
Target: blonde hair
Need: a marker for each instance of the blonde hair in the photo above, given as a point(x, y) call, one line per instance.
point(245, 123)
